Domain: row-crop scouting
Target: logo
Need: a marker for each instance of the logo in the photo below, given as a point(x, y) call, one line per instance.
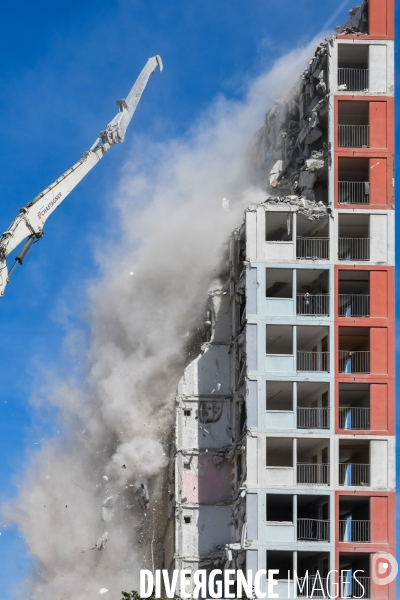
point(384, 568)
point(46, 208)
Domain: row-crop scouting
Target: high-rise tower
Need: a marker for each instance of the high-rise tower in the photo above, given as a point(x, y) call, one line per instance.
point(285, 429)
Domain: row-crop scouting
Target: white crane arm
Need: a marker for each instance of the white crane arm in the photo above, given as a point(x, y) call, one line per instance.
point(31, 218)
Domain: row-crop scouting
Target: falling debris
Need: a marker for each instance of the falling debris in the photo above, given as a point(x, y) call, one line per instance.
point(225, 203)
point(105, 477)
point(142, 496)
point(107, 509)
point(101, 542)
point(103, 591)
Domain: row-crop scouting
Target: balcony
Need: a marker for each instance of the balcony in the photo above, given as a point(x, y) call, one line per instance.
point(312, 474)
point(353, 179)
point(312, 304)
point(312, 405)
point(354, 519)
point(353, 71)
point(354, 474)
point(353, 305)
point(353, 192)
point(355, 584)
point(353, 136)
point(312, 242)
point(351, 530)
point(354, 296)
point(354, 417)
point(315, 530)
point(353, 80)
point(356, 361)
point(312, 418)
point(312, 248)
point(354, 238)
point(312, 349)
point(311, 353)
point(354, 406)
point(353, 124)
point(354, 463)
point(357, 249)
point(309, 360)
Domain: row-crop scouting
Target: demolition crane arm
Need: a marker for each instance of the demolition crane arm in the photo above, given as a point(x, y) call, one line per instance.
point(32, 217)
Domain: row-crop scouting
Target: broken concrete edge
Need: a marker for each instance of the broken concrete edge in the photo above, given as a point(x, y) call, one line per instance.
point(357, 22)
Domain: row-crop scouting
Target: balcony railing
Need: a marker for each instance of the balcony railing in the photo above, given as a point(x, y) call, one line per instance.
point(313, 474)
point(312, 248)
point(353, 305)
point(313, 529)
point(307, 360)
point(353, 192)
point(312, 418)
point(354, 531)
point(353, 474)
point(312, 304)
point(354, 136)
point(355, 80)
point(353, 249)
point(355, 586)
point(357, 361)
point(354, 417)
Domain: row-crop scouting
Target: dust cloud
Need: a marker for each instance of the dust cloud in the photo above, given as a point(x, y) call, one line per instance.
point(155, 277)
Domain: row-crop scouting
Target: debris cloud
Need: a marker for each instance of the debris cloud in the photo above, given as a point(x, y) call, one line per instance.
point(152, 289)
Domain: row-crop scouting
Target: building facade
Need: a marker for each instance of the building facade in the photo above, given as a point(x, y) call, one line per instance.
point(284, 454)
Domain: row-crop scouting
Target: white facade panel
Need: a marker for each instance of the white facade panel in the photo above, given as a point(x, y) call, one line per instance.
point(378, 226)
point(377, 68)
point(379, 463)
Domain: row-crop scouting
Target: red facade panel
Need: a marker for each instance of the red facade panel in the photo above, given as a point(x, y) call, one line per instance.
point(378, 21)
point(379, 519)
point(379, 406)
point(378, 181)
point(378, 283)
point(379, 350)
point(378, 124)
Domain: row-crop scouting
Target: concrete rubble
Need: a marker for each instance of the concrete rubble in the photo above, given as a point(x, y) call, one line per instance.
point(291, 149)
point(357, 22)
point(107, 509)
point(142, 496)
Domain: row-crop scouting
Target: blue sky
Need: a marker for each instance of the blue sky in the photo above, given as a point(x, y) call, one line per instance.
point(63, 66)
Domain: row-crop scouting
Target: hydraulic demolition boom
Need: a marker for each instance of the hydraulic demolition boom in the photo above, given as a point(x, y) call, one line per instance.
point(32, 217)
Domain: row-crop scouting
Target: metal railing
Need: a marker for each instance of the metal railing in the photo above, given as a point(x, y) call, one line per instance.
point(310, 587)
point(353, 474)
point(355, 586)
point(356, 361)
point(355, 80)
point(353, 248)
point(307, 360)
point(313, 474)
point(354, 417)
point(312, 418)
point(312, 248)
point(313, 529)
point(353, 192)
point(354, 531)
point(353, 305)
point(312, 304)
point(354, 136)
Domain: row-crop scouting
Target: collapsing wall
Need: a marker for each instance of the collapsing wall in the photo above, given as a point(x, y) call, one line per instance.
point(291, 148)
